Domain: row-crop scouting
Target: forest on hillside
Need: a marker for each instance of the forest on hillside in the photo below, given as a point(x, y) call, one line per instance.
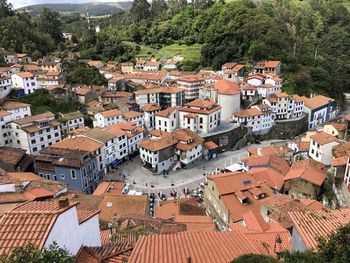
point(311, 37)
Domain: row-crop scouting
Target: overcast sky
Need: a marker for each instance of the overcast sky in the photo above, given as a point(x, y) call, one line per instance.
point(22, 3)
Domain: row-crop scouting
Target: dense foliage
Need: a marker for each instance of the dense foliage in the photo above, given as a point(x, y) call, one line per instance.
point(83, 74)
point(30, 254)
point(41, 101)
point(21, 33)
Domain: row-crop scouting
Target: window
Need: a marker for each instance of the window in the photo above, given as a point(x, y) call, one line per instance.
point(72, 174)
point(35, 149)
point(62, 176)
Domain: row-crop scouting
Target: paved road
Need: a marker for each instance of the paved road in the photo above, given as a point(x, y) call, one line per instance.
point(141, 179)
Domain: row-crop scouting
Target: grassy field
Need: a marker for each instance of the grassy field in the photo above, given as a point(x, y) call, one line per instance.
point(192, 52)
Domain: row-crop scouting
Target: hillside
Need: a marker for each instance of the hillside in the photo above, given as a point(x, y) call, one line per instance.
point(94, 8)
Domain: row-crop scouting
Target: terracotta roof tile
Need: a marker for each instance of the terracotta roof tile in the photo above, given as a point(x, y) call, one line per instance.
point(323, 138)
point(166, 113)
point(210, 145)
point(81, 143)
point(269, 176)
point(308, 170)
point(114, 206)
point(226, 87)
point(317, 101)
point(209, 247)
point(313, 224)
point(111, 113)
point(272, 64)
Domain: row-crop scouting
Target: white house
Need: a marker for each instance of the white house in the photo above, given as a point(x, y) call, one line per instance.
point(256, 79)
point(107, 118)
point(207, 115)
point(34, 133)
point(179, 149)
point(18, 109)
point(134, 134)
point(43, 223)
point(248, 91)
point(134, 117)
point(25, 81)
point(71, 121)
point(225, 93)
point(321, 145)
point(167, 120)
point(5, 85)
point(158, 153)
point(285, 106)
point(149, 111)
point(189, 148)
point(114, 149)
point(259, 118)
point(336, 129)
point(235, 73)
point(151, 65)
point(319, 110)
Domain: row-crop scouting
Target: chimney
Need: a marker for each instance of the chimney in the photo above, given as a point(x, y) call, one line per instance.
point(18, 188)
point(62, 203)
point(188, 259)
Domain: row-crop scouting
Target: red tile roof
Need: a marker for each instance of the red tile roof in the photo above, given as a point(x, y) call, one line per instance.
point(30, 222)
point(308, 170)
point(109, 253)
point(313, 224)
point(256, 229)
point(272, 64)
point(198, 247)
point(317, 101)
point(269, 176)
point(226, 87)
point(323, 138)
point(81, 143)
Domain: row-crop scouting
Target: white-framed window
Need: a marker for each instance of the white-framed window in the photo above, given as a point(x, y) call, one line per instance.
point(62, 176)
point(72, 174)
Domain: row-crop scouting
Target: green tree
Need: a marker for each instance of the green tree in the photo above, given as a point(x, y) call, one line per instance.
point(31, 254)
point(158, 9)
point(252, 258)
point(336, 249)
point(140, 10)
point(5, 9)
point(49, 22)
point(86, 76)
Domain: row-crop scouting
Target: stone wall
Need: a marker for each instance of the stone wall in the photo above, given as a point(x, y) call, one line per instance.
point(229, 139)
point(287, 129)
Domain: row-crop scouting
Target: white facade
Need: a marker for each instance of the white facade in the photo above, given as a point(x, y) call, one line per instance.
point(191, 155)
point(150, 120)
point(169, 123)
point(322, 152)
point(258, 121)
point(133, 141)
point(152, 159)
point(229, 105)
point(26, 82)
point(255, 81)
point(33, 135)
point(5, 85)
point(143, 99)
point(316, 117)
point(103, 120)
point(68, 233)
point(73, 124)
point(204, 122)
